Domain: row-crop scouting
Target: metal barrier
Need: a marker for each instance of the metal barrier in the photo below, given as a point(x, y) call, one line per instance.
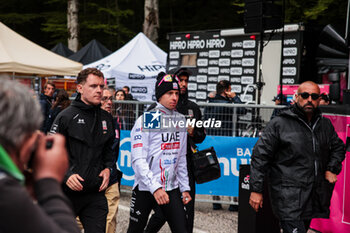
point(238, 120)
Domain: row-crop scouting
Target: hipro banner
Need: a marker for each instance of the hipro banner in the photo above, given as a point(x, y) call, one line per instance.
point(231, 152)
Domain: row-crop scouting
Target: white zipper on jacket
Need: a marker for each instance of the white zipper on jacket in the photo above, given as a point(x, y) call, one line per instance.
point(313, 138)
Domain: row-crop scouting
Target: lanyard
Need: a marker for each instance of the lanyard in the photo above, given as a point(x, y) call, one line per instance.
point(8, 166)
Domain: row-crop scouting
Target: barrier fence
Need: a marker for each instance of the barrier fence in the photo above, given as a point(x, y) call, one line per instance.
point(233, 141)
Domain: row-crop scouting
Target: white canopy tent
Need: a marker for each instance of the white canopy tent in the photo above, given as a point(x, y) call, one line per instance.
point(136, 65)
point(20, 55)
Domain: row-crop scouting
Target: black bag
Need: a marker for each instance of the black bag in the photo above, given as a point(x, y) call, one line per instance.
point(205, 165)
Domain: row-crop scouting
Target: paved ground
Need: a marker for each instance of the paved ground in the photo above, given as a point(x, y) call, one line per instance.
point(206, 219)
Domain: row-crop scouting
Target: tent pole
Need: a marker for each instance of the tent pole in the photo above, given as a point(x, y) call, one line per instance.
point(13, 75)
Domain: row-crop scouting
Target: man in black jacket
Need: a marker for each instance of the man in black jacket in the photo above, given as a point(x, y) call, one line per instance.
point(90, 136)
point(301, 154)
point(195, 135)
point(20, 143)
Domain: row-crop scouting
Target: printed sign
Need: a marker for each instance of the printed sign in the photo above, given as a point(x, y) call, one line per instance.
point(231, 152)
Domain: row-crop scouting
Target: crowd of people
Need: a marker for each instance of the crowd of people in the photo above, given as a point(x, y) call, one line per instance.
point(69, 168)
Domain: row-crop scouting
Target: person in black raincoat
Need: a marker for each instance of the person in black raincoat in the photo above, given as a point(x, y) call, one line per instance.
point(90, 136)
point(301, 154)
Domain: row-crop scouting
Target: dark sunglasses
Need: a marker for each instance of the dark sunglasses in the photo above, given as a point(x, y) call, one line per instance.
point(306, 95)
point(106, 98)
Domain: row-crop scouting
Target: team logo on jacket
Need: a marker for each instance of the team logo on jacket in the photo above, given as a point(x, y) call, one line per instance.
point(137, 137)
point(81, 121)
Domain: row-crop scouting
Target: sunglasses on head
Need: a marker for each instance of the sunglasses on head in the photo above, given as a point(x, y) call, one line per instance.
point(306, 95)
point(168, 78)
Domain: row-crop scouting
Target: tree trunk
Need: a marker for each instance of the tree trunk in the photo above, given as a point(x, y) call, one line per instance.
point(151, 22)
point(118, 24)
point(73, 25)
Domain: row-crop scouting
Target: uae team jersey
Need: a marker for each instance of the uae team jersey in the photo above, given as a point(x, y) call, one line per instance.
point(159, 154)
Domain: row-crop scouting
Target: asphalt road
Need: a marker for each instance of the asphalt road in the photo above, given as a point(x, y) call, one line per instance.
point(206, 220)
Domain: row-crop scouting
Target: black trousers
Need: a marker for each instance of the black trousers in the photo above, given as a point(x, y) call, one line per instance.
point(142, 202)
point(157, 220)
point(92, 210)
point(296, 226)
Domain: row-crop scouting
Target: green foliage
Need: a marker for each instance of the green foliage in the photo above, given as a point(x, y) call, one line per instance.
point(115, 22)
point(105, 23)
point(56, 26)
point(16, 18)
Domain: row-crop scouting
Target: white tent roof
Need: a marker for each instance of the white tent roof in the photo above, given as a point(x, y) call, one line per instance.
point(20, 55)
point(139, 56)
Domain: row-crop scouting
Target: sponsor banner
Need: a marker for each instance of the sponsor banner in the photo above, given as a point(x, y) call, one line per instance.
point(247, 79)
point(202, 87)
point(214, 53)
point(339, 219)
point(202, 71)
point(214, 62)
point(249, 44)
point(174, 55)
point(174, 62)
point(191, 94)
point(138, 89)
point(211, 87)
point(225, 53)
point(136, 76)
point(288, 52)
point(237, 53)
point(124, 159)
point(235, 80)
point(202, 79)
point(201, 95)
point(223, 77)
point(231, 152)
point(234, 56)
point(202, 62)
point(141, 90)
point(192, 87)
point(213, 70)
point(292, 89)
point(213, 79)
point(236, 88)
point(247, 98)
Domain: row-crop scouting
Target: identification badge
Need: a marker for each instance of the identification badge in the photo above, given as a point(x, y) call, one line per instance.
point(104, 125)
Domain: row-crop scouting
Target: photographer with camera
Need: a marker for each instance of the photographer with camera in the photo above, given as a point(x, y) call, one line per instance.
point(20, 142)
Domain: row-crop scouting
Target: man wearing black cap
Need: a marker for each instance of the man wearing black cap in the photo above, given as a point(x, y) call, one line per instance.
point(194, 135)
point(158, 156)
